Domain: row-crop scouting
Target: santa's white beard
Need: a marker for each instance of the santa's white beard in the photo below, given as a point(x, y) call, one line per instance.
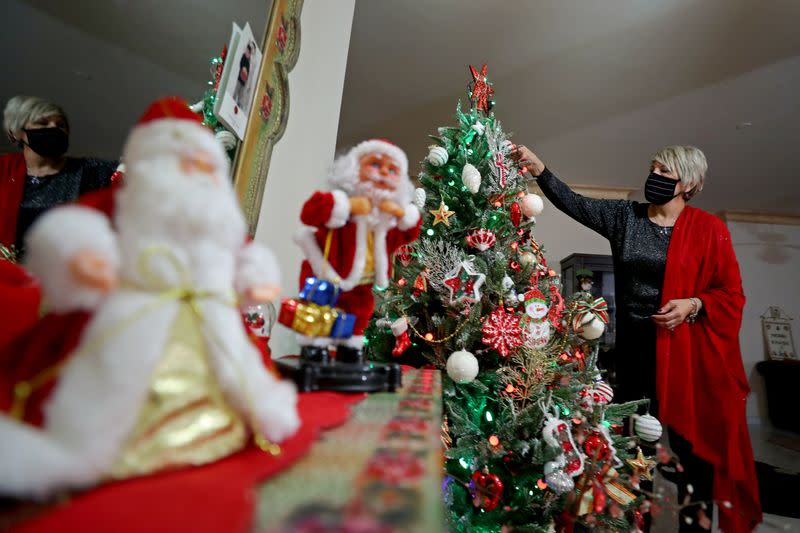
point(375, 194)
point(159, 200)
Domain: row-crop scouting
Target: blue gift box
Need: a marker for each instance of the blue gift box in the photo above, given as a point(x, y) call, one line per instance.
point(343, 326)
point(319, 291)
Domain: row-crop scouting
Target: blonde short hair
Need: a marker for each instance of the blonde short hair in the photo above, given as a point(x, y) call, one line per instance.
point(689, 162)
point(21, 110)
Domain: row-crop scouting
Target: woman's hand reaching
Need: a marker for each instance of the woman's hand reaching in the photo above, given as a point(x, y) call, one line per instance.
point(526, 158)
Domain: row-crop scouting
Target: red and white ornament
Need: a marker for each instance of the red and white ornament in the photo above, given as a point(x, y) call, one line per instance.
point(502, 331)
point(403, 254)
point(537, 334)
point(532, 205)
point(589, 326)
point(464, 283)
point(402, 341)
point(602, 393)
point(481, 239)
point(556, 433)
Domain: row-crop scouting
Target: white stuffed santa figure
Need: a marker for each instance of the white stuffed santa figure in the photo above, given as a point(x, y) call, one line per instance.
point(164, 374)
point(361, 222)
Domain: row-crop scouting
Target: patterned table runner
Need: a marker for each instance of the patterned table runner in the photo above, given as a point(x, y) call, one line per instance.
point(379, 472)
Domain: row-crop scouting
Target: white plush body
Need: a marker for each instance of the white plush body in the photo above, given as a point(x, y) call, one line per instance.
point(99, 393)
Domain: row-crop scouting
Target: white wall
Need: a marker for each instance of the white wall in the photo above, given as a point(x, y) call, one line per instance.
point(561, 236)
point(302, 156)
point(769, 257)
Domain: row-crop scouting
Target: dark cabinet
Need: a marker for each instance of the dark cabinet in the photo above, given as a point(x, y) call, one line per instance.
point(781, 378)
point(602, 268)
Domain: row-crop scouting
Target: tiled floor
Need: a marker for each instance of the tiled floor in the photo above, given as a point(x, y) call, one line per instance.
point(774, 447)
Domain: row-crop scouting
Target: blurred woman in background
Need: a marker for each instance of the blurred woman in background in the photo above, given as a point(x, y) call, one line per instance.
point(41, 175)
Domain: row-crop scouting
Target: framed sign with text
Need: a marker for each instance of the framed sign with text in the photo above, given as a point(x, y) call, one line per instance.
point(778, 338)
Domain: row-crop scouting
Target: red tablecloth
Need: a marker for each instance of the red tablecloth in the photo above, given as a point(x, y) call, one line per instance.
point(213, 498)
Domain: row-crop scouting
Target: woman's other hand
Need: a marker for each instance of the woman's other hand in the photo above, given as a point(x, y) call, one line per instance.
point(673, 313)
point(526, 158)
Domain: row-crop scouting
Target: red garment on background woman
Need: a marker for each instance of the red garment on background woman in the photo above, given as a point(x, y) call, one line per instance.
point(12, 186)
point(700, 379)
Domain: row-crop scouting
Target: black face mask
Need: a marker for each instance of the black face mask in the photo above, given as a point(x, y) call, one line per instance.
point(48, 142)
point(659, 190)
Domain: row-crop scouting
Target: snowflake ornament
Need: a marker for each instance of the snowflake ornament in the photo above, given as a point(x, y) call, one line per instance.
point(502, 331)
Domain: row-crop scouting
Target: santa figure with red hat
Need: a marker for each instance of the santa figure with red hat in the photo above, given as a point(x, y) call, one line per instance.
point(351, 233)
point(164, 374)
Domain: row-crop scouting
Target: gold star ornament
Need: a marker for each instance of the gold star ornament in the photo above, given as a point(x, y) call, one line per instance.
point(442, 214)
point(642, 466)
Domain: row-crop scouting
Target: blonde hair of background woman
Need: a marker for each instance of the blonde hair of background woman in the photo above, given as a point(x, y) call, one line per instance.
point(21, 110)
point(689, 162)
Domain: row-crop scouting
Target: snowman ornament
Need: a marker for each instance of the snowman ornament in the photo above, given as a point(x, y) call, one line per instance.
point(537, 327)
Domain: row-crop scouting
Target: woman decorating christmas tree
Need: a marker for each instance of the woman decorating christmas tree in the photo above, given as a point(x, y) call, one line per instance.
point(680, 299)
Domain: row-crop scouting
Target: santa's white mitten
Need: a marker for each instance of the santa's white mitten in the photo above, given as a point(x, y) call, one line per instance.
point(410, 217)
point(256, 268)
point(53, 245)
point(276, 410)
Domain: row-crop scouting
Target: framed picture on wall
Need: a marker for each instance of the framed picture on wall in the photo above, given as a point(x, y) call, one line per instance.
point(239, 78)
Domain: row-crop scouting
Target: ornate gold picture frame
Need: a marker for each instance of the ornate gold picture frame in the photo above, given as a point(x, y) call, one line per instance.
point(267, 120)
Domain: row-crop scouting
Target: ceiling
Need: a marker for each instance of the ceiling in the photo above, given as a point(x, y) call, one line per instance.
point(595, 87)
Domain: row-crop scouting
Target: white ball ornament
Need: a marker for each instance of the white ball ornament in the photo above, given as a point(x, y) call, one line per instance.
point(648, 428)
point(419, 197)
point(437, 156)
point(591, 328)
point(226, 139)
point(462, 366)
point(527, 258)
point(532, 205)
point(471, 178)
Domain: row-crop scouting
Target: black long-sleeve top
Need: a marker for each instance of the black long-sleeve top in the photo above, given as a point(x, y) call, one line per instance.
point(638, 246)
point(79, 176)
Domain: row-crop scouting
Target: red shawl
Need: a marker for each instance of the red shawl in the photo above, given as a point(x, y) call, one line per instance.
point(702, 388)
point(12, 186)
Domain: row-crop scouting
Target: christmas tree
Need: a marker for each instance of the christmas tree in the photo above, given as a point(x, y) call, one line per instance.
point(531, 437)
